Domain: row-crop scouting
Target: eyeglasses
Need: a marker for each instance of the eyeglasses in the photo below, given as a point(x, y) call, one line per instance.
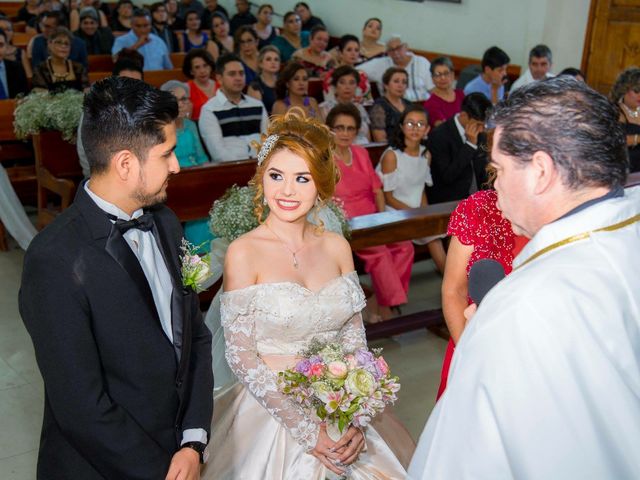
point(441, 74)
point(183, 99)
point(247, 41)
point(344, 128)
point(61, 43)
point(414, 125)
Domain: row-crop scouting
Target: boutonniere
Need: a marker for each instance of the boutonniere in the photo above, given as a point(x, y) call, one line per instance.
point(195, 269)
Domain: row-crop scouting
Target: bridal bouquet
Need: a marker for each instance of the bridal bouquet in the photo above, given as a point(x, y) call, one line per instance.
point(343, 388)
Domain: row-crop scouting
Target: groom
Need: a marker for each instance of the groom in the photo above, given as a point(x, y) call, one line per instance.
point(120, 343)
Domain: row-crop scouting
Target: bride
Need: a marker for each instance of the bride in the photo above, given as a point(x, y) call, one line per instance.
point(285, 283)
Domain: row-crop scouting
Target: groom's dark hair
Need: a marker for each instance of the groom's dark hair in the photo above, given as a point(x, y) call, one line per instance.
point(124, 114)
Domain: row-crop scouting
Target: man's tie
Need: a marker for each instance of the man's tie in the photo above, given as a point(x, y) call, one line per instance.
point(143, 222)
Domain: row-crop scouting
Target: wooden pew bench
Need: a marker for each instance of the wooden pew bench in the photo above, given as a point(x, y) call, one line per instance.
point(152, 77)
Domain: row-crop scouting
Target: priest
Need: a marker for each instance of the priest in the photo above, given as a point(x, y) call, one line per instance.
point(545, 381)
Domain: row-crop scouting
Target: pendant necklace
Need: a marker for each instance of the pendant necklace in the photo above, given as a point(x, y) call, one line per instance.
point(293, 252)
point(632, 113)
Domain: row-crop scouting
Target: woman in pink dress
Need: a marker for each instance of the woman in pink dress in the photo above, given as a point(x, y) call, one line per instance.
point(478, 231)
point(360, 190)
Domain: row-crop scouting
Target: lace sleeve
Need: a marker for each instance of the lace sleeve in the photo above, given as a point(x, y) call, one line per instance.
point(352, 335)
point(242, 355)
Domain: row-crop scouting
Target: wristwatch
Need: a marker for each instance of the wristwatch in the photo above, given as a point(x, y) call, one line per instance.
point(199, 447)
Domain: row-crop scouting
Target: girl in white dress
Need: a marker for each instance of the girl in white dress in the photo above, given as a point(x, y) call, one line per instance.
point(404, 170)
point(285, 283)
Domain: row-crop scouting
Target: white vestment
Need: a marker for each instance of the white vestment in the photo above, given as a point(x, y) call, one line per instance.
point(545, 381)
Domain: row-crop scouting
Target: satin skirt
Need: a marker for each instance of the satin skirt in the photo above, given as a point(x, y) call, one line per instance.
point(247, 443)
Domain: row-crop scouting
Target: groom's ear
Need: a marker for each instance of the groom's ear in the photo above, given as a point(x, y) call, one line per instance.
point(124, 164)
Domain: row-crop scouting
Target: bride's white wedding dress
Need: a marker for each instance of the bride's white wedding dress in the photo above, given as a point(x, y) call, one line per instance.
point(259, 433)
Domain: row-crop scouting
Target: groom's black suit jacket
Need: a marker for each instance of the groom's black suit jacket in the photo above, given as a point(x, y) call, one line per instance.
point(118, 392)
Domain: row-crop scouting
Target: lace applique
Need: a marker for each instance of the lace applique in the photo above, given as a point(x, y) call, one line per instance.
point(238, 321)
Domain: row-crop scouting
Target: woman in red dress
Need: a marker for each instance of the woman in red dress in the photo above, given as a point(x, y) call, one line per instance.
point(477, 231)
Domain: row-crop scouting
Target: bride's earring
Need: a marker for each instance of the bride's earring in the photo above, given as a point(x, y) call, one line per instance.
point(317, 202)
point(264, 200)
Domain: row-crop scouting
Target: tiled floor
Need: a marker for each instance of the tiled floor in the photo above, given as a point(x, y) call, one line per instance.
point(415, 357)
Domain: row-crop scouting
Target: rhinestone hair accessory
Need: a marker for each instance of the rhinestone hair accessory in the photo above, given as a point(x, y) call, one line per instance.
point(266, 147)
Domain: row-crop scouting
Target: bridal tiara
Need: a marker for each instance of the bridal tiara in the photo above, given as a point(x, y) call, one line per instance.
point(266, 147)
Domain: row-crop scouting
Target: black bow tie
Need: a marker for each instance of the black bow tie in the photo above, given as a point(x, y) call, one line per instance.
point(143, 222)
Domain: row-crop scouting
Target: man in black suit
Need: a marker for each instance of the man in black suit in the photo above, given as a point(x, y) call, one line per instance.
point(458, 152)
point(121, 344)
point(16, 81)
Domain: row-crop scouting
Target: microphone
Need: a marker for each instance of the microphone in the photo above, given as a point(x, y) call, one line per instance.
point(483, 276)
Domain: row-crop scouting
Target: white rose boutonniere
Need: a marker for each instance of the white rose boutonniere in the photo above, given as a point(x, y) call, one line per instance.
point(195, 269)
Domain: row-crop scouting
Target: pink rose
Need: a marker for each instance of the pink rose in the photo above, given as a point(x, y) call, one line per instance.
point(351, 361)
point(382, 365)
point(316, 370)
point(337, 369)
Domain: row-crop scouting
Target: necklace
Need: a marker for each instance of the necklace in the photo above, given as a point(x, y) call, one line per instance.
point(632, 113)
point(349, 160)
point(293, 252)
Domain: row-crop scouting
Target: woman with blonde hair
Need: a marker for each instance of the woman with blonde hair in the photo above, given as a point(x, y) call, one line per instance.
point(285, 283)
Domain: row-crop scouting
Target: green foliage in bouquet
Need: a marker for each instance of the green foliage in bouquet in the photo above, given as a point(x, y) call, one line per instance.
point(46, 111)
point(233, 215)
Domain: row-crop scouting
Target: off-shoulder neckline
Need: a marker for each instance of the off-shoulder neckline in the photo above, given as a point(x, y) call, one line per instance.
point(293, 283)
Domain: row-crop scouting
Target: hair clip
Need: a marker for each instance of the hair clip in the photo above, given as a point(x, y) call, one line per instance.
point(266, 147)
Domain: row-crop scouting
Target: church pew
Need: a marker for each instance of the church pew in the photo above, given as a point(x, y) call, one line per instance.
point(10, 9)
point(152, 77)
point(100, 63)
point(21, 39)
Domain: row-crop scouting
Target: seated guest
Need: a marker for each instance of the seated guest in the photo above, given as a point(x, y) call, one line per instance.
point(122, 16)
point(126, 66)
point(573, 72)
point(360, 191)
point(189, 149)
point(12, 52)
point(160, 26)
point(31, 9)
point(540, 62)
point(185, 6)
point(458, 159)
point(445, 101)
point(370, 46)
point(493, 77)
point(193, 36)
point(58, 73)
point(345, 81)
point(387, 110)
point(266, 32)
point(246, 42)
point(198, 66)
point(221, 42)
point(12, 78)
point(626, 95)
point(98, 40)
point(150, 46)
point(315, 57)
point(173, 20)
point(243, 16)
point(264, 86)
point(291, 37)
point(404, 170)
point(307, 18)
point(231, 121)
point(348, 54)
point(211, 7)
point(399, 56)
point(291, 91)
point(74, 15)
point(38, 47)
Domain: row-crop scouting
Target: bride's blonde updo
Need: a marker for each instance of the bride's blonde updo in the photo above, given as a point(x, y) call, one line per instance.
point(306, 137)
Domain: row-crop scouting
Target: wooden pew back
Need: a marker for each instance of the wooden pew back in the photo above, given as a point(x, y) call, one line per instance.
point(152, 77)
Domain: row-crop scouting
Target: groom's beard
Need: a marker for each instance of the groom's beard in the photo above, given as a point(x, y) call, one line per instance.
point(148, 199)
